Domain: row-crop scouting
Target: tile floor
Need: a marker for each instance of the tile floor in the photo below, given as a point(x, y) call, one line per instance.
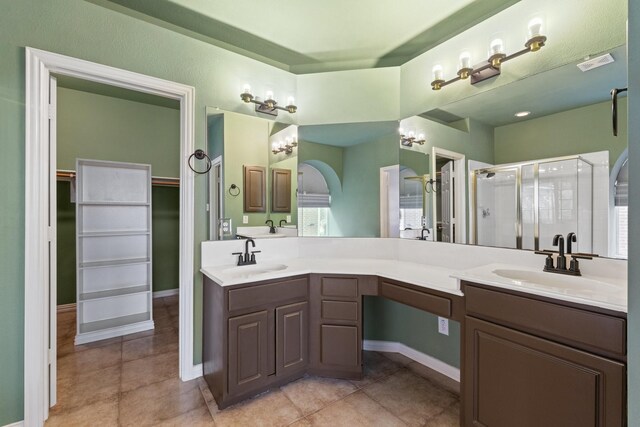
point(134, 381)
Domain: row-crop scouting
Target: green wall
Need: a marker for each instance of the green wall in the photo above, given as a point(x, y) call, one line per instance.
point(165, 240)
point(581, 130)
point(99, 127)
point(387, 320)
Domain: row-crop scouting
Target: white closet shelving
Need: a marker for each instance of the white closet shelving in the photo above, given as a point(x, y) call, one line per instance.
point(113, 244)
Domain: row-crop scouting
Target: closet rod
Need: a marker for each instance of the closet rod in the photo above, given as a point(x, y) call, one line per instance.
point(155, 180)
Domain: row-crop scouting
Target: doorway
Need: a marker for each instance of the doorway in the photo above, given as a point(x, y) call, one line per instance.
point(40, 192)
point(448, 211)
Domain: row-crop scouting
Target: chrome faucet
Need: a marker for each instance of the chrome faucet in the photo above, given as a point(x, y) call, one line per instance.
point(247, 258)
point(272, 229)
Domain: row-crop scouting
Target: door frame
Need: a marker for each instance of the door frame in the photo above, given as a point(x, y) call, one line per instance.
point(38, 157)
point(460, 188)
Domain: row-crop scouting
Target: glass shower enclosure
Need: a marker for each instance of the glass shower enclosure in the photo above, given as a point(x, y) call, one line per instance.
point(523, 205)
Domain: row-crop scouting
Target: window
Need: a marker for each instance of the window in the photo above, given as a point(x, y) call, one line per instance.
point(621, 211)
point(314, 202)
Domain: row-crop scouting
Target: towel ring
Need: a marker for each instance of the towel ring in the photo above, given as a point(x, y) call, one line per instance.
point(200, 154)
point(234, 187)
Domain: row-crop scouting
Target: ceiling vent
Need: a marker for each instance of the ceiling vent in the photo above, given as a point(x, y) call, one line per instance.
point(596, 62)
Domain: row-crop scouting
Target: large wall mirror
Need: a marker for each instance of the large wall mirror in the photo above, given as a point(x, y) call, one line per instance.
point(252, 183)
point(490, 176)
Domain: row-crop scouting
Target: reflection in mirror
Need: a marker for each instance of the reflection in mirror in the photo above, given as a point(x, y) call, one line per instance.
point(240, 143)
point(358, 164)
point(526, 178)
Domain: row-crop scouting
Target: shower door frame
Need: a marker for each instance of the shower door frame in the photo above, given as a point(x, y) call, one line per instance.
point(536, 193)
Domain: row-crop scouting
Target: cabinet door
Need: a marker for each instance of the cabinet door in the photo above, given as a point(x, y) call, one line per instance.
point(280, 190)
point(340, 348)
point(255, 187)
point(292, 332)
point(516, 379)
point(248, 352)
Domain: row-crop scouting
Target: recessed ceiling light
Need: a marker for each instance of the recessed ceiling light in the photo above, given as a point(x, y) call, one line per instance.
point(523, 113)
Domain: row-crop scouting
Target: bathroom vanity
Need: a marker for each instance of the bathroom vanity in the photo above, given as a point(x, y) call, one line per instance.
point(269, 324)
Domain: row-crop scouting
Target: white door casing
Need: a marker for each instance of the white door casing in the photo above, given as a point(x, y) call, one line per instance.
point(52, 259)
point(447, 208)
point(40, 160)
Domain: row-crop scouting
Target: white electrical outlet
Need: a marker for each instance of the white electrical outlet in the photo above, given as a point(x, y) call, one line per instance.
point(288, 218)
point(443, 325)
point(245, 219)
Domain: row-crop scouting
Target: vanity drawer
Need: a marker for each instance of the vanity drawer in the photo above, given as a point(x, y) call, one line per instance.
point(269, 293)
point(596, 332)
point(340, 310)
point(341, 287)
point(422, 300)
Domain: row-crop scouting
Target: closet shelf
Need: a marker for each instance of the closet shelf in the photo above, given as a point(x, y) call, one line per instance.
point(114, 322)
point(113, 293)
point(114, 233)
point(108, 263)
point(104, 203)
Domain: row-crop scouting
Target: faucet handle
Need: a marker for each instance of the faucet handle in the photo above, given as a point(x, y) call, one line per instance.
point(548, 263)
point(582, 256)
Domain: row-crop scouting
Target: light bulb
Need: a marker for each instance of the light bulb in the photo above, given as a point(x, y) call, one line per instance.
point(281, 145)
point(535, 28)
point(291, 101)
point(411, 134)
point(496, 47)
point(421, 136)
point(246, 89)
point(269, 95)
point(437, 72)
point(465, 60)
point(401, 131)
point(274, 146)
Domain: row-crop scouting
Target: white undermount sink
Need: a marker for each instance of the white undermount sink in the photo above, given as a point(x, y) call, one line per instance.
point(245, 271)
point(556, 282)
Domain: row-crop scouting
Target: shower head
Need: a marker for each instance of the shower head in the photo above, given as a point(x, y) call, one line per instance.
point(491, 174)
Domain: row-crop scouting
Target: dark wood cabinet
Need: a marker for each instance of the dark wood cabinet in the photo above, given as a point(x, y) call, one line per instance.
point(255, 336)
point(280, 190)
point(255, 188)
point(292, 338)
point(248, 352)
point(526, 373)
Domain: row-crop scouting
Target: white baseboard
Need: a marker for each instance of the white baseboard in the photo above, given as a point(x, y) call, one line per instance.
point(424, 359)
point(63, 308)
point(167, 293)
point(195, 372)
point(16, 424)
point(104, 334)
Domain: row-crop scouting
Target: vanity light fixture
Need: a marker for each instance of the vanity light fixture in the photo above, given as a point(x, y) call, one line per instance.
point(497, 56)
point(410, 138)
point(284, 147)
point(269, 105)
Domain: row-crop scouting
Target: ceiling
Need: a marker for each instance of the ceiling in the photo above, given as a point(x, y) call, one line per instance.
point(308, 37)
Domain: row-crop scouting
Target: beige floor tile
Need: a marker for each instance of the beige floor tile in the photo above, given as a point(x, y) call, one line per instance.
point(173, 309)
point(151, 345)
point(160, 311)
point(80, 389)
point(91, 360)
point(172, 300)
point(411, 398)
point(356, 409)
point(199, 417)
point(164, 322)
point(449, 418)
point(435, 377)
point(149, 370)
point(376, 367)
point(67, 345)
point(209, 400)
point(302, 422)
point(268, 409)
point(155, 403)
point(102, 413)
point(149, 333)
point(398, 358)
point(312, 393)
